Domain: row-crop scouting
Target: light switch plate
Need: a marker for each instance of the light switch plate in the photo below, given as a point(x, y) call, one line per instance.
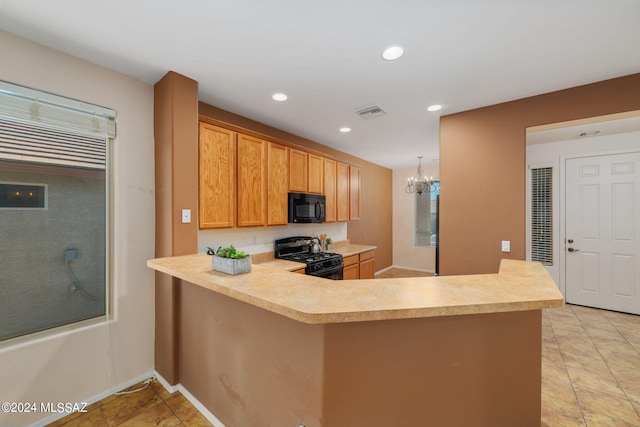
point(506, 246)
point(186, 216)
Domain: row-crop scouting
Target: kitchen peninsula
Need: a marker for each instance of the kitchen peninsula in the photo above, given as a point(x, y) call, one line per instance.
point(272, 347)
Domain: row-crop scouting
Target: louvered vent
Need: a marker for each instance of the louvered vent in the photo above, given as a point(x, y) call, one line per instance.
point(371, 112)
point(542, 215)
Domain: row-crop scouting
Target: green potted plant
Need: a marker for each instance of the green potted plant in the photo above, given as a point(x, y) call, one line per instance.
point(229, 260)
point(328, 243)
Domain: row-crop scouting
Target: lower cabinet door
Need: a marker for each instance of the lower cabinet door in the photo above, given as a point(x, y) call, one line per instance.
point(351, 272)
point(367, 269)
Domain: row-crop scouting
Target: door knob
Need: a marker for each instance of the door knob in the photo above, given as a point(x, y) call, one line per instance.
point(573, 250)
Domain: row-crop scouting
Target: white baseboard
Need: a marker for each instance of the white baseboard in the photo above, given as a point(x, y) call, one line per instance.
point(200, 407)
point(190, 397)
point(43, 422)
point(384, 269)
point(170, 388)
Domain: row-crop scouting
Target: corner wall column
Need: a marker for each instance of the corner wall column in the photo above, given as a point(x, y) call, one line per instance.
point(176, 153)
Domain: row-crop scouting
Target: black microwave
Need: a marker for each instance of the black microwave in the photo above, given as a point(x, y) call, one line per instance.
point(306, 208)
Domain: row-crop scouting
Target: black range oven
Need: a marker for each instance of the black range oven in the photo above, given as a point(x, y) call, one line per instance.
point(321, 264)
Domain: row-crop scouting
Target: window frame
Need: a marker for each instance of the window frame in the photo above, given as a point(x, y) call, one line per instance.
point(105, 129)
point(433, 229)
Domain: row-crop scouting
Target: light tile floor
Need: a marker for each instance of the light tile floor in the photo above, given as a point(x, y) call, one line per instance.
point(590, 368)
point(395, 272)
point(590, 378)
point(153, 406)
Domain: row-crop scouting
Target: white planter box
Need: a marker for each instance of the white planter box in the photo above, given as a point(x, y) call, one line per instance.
point(230, 265)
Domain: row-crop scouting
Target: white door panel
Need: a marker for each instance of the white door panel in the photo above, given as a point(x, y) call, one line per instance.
point(603, 232)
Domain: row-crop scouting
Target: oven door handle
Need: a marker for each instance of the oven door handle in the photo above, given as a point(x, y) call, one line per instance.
point(327, 271)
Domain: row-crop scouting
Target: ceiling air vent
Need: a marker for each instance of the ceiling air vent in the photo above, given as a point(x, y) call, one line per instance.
point(371, 112)
point(590, 133)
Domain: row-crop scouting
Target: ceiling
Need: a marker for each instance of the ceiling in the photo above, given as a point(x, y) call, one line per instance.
point(584, 129)
point(326, 56)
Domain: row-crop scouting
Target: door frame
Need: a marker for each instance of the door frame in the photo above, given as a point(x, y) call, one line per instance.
point(554, 153)
point(562, 252)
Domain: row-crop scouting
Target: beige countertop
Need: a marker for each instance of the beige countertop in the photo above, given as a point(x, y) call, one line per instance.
point(349, 249)
point(282, 264)
point(518, 286)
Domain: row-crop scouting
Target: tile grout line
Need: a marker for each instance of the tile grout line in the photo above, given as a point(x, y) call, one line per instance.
point(612, 373)
point(604, 359)
point(169, 406)
point(106, 422)
point(575, 395)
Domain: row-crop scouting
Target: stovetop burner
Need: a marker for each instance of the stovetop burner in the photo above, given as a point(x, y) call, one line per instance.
point(318, 263)
point(312, 257)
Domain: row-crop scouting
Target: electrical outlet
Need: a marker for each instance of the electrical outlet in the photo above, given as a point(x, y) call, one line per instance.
point(506, 246)
point(186, 216)
point(70, 254)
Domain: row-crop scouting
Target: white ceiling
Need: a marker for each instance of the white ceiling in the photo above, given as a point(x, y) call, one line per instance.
point(326, 56)
point(570, 131)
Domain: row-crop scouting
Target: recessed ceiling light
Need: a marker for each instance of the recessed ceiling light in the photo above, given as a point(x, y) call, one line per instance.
point(345, 129)
point(392, 53)
point(279, 97)
point(434, 107)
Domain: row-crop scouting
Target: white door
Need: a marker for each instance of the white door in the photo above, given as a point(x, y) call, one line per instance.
point(602, 244)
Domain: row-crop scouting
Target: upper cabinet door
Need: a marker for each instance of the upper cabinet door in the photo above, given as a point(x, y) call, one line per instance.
point(252, 181)
point(342, 196)
point(217, 166)
point(316, 172)
point(330, 190)
point(355, 181)
point(298, 171)
point(277, 193)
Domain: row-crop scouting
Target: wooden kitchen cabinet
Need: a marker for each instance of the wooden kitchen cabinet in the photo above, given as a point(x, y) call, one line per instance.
point(367, 265)
point(330, 190)
point(244, 181)
point(278, 182)
point(351, 270)
point(354, 193)
point(342, 195)
point(298, 171)
point(252, 181)
point(360, 266)
point(315, 179)
point(217, 177)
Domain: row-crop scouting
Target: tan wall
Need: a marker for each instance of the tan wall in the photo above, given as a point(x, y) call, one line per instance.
point(482, 169)
point(83, 363)
point(375, 227)
point(478, 370)
point(251, 367)
point(176, 177)
point(248, 366)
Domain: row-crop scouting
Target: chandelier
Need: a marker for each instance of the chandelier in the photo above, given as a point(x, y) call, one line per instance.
point(415, 185)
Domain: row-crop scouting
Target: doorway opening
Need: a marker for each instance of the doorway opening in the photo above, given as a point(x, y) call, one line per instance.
point(558, 148)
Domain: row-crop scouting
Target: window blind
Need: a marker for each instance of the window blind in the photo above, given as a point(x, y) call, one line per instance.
point(39, 144)
point(44, 128)
point(542, 215)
